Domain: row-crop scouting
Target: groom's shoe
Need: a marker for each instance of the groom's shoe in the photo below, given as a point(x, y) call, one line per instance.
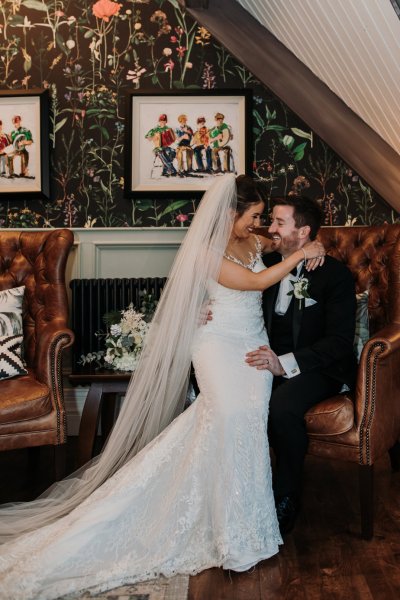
point(287, 509)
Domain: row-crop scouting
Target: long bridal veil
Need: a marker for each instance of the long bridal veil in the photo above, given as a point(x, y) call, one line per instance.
point(157, 389)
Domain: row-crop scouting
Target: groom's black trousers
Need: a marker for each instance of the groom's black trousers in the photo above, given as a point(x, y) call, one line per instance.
point(290, 400)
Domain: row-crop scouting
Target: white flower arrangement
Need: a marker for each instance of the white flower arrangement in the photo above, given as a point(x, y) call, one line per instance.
point(126, 331)
point(124, 341)
point(300, 289)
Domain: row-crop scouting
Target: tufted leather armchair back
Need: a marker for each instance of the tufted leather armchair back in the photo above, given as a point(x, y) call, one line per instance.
point(36, 260)
point(373, 256)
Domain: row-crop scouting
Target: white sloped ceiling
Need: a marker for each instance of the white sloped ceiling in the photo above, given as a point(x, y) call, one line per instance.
point(353, 46)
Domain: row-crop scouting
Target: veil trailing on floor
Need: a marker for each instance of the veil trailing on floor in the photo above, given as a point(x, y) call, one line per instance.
point(157, 389)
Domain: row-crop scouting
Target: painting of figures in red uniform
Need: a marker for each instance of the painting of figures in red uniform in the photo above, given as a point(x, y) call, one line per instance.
point(181, 142)
point(23, 138)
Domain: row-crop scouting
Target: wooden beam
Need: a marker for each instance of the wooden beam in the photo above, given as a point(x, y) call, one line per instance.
point(295, 84)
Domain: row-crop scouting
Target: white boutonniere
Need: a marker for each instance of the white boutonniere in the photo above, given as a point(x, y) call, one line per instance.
point(300, 289)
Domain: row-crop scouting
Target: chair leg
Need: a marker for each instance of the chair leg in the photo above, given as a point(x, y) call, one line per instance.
point(366, 484)
point(394, 454)
point(60, 459)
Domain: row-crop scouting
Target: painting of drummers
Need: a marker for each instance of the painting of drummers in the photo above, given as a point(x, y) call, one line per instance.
point(22, 144)
point(181, 142)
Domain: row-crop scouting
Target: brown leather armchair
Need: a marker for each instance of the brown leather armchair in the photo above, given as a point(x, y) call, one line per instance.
point(363, 426)
point(32, 411)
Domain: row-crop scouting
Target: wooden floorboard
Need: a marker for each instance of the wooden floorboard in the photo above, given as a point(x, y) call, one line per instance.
point(324, 558)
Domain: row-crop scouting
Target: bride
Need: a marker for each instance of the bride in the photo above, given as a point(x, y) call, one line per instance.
point(172, 495)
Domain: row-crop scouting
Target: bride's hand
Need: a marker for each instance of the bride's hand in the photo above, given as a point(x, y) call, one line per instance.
point(315, 255)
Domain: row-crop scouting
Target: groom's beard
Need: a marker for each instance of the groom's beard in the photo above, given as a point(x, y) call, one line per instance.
point(286, 245)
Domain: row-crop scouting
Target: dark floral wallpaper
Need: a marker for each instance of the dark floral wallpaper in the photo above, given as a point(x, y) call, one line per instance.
point(89, 54)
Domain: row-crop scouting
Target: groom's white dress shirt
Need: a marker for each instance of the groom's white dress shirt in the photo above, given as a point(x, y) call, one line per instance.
point(288, 361)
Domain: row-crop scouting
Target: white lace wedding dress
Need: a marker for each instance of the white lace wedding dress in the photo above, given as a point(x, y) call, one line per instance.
point(198, 496)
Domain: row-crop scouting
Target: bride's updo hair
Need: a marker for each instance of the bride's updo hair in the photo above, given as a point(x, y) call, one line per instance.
point(248, 193)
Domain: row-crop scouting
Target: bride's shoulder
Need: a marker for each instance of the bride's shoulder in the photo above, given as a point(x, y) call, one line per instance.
point(262, 244)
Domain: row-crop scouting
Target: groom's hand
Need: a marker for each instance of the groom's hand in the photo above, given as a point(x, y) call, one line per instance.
point(265, 359)
point(205, 314)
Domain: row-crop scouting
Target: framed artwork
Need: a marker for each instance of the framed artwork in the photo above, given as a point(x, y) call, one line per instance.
point(178, 143)
point(24, 144)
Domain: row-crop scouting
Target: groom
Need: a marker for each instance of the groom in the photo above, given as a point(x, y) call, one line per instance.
point(310, 319)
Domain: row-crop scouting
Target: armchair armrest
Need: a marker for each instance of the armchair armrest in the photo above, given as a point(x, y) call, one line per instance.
point(53, 339)
point(377, 409)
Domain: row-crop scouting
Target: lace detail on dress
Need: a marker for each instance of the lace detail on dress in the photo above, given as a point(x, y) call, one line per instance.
point(253, 257)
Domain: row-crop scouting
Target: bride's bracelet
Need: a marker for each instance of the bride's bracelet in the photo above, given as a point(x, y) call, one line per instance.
point(304, 252)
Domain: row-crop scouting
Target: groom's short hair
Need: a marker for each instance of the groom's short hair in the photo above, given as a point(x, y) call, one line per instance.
point(305, 212)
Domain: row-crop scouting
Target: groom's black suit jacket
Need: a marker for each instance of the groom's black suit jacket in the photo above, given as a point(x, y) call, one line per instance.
point(322, 334)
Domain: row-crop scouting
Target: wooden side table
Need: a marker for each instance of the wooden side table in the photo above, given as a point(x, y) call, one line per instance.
point(105, 384)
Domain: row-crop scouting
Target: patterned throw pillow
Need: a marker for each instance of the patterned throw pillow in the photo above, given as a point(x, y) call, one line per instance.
point(11, 311)
point(10, 356)
point(11, 333)
point(362, 323)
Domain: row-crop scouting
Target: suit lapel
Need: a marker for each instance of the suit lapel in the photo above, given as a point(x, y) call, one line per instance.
point(298, 309)
point(297, 314)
